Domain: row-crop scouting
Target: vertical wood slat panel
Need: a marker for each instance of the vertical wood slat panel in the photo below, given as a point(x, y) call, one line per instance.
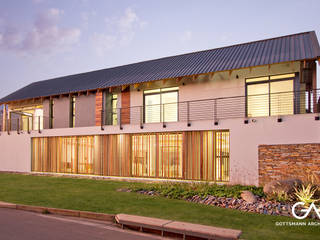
point(99, 107)
point(125, 107)
point(188, 155)
point(184, 154)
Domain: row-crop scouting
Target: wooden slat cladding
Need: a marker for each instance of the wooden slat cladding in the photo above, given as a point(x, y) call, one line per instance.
point(125, 107)
point(65, 155)
point(116, 155)
point(157, 155)
point(99, 107)
point(196, 155)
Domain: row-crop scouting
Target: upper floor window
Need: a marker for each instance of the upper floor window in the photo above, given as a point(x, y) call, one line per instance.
point(114, 103)
point(110, 108)
point(72, 111)
point(161, 105)
point(270, 96)
point(28, 118)
point(51, 104)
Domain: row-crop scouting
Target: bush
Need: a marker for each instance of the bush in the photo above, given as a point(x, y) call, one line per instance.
point(306, 193)
point(280, 196)
point(186, 190)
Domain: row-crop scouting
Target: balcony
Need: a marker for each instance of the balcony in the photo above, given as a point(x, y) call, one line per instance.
point(215, 110)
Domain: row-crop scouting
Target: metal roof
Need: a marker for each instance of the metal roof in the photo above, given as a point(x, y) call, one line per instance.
point(295, 47)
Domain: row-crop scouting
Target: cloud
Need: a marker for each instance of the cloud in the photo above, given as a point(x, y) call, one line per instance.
point(128, 21)
point(120, 31)
point(85, 16)
point(45, 35)
point(103, 43)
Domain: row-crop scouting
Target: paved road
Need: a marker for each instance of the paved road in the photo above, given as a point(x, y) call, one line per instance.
point(16, 225)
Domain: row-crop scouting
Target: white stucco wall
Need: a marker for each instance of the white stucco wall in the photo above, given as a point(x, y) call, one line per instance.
point(244, 140)
point(15, 152)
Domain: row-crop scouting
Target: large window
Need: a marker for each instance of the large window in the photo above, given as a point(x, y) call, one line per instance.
point(270, 96)
point(161, 105)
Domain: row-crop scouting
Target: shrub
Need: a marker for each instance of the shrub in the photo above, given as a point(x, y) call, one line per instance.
point(280, 196)
point(186, 190)
point(305, 194)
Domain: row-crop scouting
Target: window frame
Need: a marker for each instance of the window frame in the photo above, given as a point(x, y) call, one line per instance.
point(72, 119)
point(161, 105)
point(114, 111)
point(269, 81)
point(51, 115)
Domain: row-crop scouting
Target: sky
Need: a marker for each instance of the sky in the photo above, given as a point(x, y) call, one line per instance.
point(43, 39)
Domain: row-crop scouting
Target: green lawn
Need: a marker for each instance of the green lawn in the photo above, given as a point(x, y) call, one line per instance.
point(101, 196)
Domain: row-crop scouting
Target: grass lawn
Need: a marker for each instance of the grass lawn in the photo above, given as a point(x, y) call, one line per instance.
point(101, 196)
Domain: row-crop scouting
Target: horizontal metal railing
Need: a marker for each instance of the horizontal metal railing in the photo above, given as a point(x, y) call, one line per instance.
point(215, 109)
point(258, 105)
point(22, 123)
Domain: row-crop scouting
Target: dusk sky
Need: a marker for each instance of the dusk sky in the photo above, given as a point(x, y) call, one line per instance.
point(43, 39)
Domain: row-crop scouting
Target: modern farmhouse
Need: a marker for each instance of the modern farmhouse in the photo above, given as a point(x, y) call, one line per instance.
point(247, 113)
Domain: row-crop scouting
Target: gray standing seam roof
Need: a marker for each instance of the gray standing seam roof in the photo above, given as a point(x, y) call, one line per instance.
point(295, 47)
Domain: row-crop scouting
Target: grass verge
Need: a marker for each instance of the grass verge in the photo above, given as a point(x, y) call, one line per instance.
point(101, 196)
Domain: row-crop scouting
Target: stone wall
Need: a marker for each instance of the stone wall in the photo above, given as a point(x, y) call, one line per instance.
point(289, 161)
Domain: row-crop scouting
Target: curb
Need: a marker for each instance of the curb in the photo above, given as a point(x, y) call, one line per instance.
point(143, 223)
point(183, 229)
point(61, 212)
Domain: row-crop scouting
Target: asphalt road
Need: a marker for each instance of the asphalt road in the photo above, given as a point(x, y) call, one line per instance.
point(16, 225)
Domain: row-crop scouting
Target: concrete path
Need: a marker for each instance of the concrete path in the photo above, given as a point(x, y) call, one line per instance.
point(16, 225)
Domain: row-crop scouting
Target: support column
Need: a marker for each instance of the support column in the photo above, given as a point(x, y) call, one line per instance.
point(4, 117)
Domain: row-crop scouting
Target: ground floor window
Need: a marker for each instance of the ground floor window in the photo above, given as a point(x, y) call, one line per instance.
point(64, 155)
point(196, 155)
point(157, 155)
